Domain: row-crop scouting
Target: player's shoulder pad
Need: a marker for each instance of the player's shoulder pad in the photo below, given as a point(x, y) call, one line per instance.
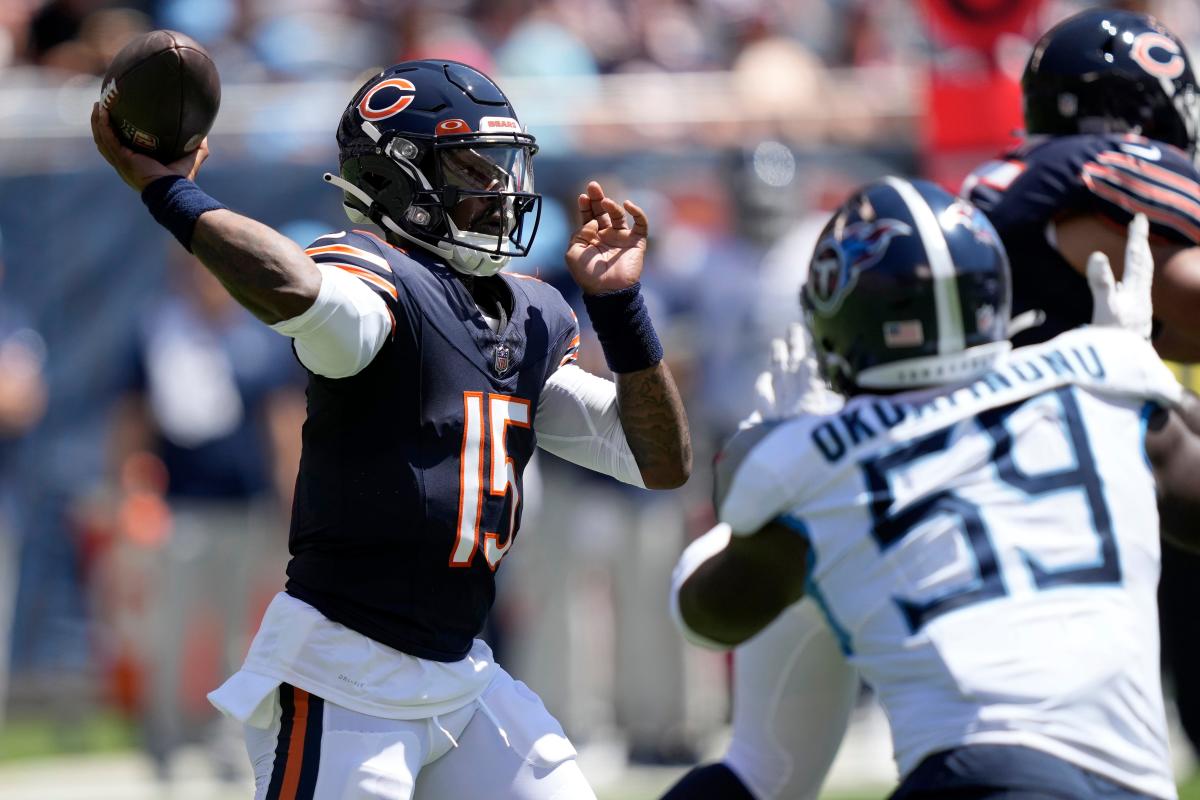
point(764, 471)
point(1114, 361)
point(996, 176)
point(1031, 184)
point(554, 308)
point(538, 291)
point(358, 254)
point(366, 256)
point(733, 454)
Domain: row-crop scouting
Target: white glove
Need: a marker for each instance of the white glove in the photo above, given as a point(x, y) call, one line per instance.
point(1125, 304)
point(792, 385)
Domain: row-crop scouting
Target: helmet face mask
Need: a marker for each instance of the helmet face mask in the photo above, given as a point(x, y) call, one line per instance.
point(450, 170)
point(908, 288)
point(1112, 71)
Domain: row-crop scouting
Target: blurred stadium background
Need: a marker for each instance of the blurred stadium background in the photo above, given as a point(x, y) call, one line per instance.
point(133, 566)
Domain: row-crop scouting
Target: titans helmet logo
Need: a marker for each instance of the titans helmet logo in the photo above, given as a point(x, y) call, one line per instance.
point(840, 260)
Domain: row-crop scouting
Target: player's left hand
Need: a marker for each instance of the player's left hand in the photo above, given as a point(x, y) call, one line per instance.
point(1125, 304)
point(792, 385)
point(136, 169)
point(606, 254)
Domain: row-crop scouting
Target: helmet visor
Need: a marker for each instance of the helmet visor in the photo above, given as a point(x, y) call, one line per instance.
point(489, 186)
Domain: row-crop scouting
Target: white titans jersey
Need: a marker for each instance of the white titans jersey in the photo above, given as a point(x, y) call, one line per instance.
point(988, 553)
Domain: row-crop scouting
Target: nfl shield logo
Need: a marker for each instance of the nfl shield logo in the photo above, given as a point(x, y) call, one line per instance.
point(503, 355)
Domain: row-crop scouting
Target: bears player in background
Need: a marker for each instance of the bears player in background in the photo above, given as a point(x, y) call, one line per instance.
point(979, 526)
point(1112, 117)
point(432, 376)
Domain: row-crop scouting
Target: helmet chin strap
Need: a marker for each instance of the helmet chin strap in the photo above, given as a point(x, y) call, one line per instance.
point(462, 259)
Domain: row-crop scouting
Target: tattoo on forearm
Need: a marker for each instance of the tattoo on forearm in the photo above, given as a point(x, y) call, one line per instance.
point(262, 269)
point(655, 425)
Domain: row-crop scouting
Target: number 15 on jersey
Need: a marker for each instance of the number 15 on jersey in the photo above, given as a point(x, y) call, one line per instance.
point(485, 425)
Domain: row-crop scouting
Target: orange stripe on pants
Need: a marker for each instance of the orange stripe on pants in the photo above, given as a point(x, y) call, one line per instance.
point(295, 753)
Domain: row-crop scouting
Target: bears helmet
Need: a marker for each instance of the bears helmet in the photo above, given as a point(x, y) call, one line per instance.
point(433, 153)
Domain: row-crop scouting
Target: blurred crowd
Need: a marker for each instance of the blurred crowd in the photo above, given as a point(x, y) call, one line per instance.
point(148, 426)
point(273, 39)
point(262, 40)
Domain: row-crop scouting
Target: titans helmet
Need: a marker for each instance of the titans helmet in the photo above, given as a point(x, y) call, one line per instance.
point(908, 287)
point(1110, 71)
point(432, 152)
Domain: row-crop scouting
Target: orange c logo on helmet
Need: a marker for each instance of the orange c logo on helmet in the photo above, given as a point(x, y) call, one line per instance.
point(405, 98)
point(1144, 52)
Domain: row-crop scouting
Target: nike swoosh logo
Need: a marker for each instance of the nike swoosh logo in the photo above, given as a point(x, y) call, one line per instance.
point(1150, 153)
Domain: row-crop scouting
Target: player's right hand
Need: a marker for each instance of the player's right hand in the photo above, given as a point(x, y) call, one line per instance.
point(138, 170)
point(1125, 304)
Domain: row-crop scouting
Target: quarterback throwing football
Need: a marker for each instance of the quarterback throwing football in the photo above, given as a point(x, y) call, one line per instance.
point(432, 375)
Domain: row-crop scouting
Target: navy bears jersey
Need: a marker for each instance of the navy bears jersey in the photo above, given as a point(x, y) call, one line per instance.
point(1112, 176)
point(409, 490)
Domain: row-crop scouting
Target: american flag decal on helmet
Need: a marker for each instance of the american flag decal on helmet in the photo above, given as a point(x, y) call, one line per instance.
point(904, 333)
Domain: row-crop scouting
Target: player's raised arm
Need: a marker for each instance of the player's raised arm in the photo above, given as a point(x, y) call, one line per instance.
point(262, 269)
point(605, 258)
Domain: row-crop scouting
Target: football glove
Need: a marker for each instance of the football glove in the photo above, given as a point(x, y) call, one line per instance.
point(792, 385)
point(1125, 304)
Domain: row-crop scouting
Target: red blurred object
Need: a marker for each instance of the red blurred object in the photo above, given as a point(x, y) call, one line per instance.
point(126, 679)
point(978, 24)
point(972, 108)
point(968, 119)
point(145, 519)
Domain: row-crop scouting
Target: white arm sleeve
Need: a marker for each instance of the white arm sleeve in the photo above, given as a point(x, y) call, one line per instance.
point(793, 692)
point(343, 330)
point(696, 553)
point(577, 420)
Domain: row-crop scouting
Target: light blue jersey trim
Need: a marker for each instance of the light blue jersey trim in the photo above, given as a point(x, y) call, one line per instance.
point(1149, 408)
point(810, 587)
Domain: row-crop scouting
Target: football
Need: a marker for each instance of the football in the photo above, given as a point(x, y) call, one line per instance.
point(162, 93)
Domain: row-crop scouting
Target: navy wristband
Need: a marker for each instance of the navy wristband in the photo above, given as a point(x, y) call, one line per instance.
point(176, 203)
point(622, 324)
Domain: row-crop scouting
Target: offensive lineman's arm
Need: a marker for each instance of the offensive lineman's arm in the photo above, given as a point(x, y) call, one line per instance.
point(1176, 288)
point(1173, 447)
point(1172, 440)
point(605, 258)
point(262, 269)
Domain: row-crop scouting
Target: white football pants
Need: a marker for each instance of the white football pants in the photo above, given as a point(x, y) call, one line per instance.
point(503, 746)
point(793, 692)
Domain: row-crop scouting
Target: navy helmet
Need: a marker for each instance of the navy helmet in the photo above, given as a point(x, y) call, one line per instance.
point(1112, 71)
point(433, 153)
point(908, 287)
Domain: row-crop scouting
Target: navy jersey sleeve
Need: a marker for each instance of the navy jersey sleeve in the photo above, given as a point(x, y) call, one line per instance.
point(1113, 177)
point(1031, 186)
point(567, 351)
point(1135, 175)
point(364, 256)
